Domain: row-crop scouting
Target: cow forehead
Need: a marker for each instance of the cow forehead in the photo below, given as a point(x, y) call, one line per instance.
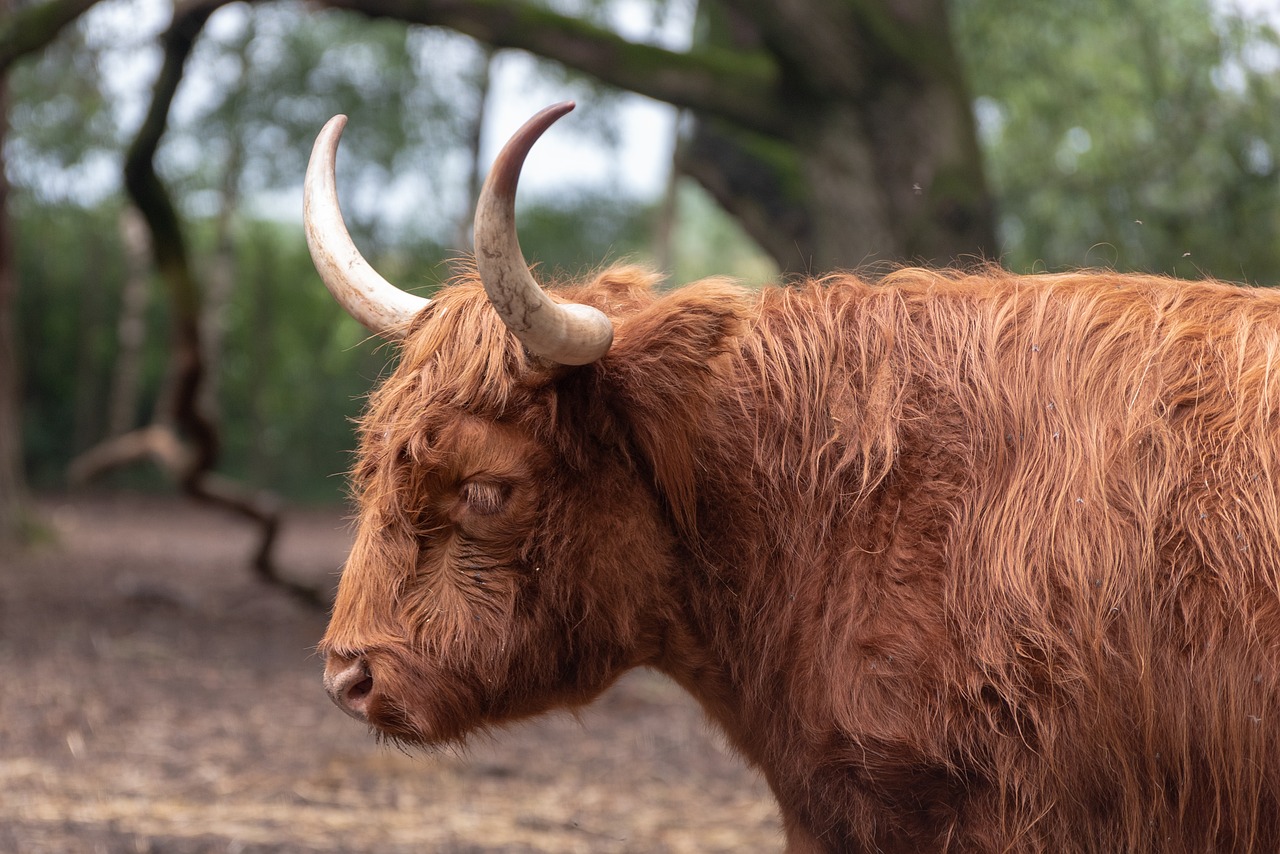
point(480, 445)
point(457, 445)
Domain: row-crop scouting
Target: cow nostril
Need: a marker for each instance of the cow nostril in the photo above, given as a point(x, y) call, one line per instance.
point(360, 690)
point(349, 684)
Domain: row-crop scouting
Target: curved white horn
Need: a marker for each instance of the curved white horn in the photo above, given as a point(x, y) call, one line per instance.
point(566, 334)
point(378, 305)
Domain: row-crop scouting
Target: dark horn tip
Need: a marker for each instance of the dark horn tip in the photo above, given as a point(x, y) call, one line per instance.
point(546, 117)
point(505, 172)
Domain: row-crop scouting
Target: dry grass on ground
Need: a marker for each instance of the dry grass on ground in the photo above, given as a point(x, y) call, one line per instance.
point(157, 699)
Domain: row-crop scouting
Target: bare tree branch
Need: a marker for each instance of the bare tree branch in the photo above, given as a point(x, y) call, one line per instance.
point(156, 442)
point(168, 244)
point(189, 459)
point(737, 86)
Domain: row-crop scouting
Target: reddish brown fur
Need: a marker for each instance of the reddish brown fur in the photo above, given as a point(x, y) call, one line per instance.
point(961, 562)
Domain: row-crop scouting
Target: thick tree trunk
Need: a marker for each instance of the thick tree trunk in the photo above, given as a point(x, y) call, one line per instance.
point(839, 132)
point(879, 161)
point(854, 192)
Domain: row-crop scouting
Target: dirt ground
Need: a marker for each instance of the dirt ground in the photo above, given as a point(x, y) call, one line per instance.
point(155, 698)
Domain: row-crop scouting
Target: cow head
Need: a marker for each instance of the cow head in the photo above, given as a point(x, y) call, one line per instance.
point(519, 479)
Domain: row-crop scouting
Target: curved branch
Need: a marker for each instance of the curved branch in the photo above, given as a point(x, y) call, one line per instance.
point(29, 29)
point(736, 86)
point(191, 466)
point(168, 244)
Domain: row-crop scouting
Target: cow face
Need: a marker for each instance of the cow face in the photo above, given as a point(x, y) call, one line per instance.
point(441, 599)
point(520, 480)
point(508, 553)
point(509, 556)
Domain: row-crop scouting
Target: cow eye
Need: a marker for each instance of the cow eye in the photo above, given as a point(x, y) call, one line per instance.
point(483, 498)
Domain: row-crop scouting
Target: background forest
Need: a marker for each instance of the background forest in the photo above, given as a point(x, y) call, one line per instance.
point(1139, 135)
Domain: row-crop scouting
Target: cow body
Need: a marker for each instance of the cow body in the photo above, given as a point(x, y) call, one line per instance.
point(964, 562)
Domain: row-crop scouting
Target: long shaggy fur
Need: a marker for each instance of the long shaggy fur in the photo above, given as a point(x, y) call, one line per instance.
point(962, 562)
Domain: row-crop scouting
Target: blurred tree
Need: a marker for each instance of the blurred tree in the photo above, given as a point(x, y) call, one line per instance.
point(23, 30)
point(837, 131)
point(186, 440)
point(131, 328)
point(27, 28)
point(59, 161)
point(222, 268)
point(66, 133)
point(13, 489)
point(1138, 134)
point(266, 76)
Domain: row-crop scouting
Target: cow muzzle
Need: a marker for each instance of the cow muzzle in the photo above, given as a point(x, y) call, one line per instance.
point(349, 683)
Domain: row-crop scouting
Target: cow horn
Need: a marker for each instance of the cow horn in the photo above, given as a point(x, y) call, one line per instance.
point(566, 334)
point(378, 305)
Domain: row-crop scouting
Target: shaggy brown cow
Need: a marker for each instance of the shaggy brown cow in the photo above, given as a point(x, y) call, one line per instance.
point(962, 562)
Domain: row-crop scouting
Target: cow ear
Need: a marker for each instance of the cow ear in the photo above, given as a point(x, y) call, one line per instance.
point(666, 366)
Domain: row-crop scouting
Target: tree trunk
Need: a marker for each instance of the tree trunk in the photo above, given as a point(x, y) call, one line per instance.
point(131, 328)
point(664, 223)
point(475, 137)
point(13, 489)
point(223, 272)
point(188, 446)
point(89, 396)
point(221, 281)
point(22, 32)
point(879, 161)
point(839, 132)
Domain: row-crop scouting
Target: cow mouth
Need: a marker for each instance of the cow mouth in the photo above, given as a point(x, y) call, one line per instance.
point(352, 690)
point(394, 725)
point(413, 727)
point(400, 700)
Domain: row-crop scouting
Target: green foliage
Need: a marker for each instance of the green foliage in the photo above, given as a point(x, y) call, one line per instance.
point(571, 236)
point(1140, 135)
point(709, 242)
point(70, 267)
point(294, 368)
point(294, 371)
point(293, 70)
point(62, 134)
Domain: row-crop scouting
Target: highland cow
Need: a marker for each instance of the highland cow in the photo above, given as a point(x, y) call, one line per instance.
point(961, 561)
